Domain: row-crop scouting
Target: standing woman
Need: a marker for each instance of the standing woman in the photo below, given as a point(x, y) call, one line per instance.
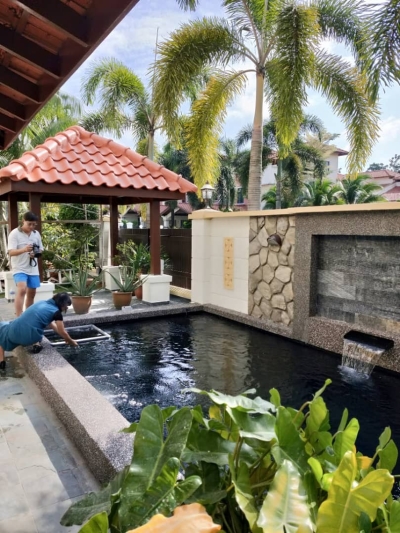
point(29, 327)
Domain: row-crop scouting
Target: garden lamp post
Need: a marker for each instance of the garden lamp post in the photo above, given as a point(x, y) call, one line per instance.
point(207, 194)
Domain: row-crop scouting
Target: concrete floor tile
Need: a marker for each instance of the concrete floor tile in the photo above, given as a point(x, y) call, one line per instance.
point(42, 468)
point(62, 459)
point(21, 524)
point(47, 519)
point(45, 491)
point(35, 458)
point(5, 454)
point(22, 434)
point(25, 448)
point(13, 502)
point(8, 475)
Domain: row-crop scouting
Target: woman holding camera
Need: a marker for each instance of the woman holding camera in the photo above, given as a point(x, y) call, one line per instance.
point(24, 247)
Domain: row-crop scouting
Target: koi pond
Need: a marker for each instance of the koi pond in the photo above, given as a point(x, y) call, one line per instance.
point(152, 361)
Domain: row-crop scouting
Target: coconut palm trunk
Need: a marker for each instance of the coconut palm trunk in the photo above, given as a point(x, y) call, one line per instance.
point(255, 171)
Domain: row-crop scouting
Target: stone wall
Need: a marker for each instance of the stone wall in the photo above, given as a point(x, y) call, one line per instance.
point(271, 269)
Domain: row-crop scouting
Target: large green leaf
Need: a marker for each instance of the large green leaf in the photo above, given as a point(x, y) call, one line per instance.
point(209, 446)
point(394, 523)
point(289, 446)
point(97, 524)
point(388, 456)
point(94, 503)
point(345, 440)
point(318, 418)
point(243, 494)
point(210, 490)
point(285, 508)
point(341, 512)
point(254, 426)
point(256, 405)
point(162, 496)
point(275, 397)
point(151, 452)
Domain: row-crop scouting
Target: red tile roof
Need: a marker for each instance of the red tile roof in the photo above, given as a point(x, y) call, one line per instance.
point(385, 173)
point(83, 158)
point(185, 208)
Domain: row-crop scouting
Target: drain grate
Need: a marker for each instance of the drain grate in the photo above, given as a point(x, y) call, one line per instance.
point(78, 333)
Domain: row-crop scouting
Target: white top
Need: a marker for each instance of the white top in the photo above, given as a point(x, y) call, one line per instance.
point(20, 263)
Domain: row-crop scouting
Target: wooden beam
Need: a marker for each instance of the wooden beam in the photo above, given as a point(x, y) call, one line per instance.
point(113, 228)
point(60, 16)
point(9, 124)
point(12, 212)
point(12, 107)
point(29, 51)
point(71, 190)
point(155, 238)
point(18, 83)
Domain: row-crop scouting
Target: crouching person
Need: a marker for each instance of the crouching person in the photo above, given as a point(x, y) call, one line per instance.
point(29, 327)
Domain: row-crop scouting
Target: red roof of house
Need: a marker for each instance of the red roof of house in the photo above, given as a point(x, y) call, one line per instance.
point(83, 158)
point(185, 207)
point(385, 173)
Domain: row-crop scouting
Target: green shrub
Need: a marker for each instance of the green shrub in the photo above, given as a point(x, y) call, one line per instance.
point(256, 466)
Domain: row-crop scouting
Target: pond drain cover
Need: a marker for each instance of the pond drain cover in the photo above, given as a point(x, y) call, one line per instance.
point(78, 333)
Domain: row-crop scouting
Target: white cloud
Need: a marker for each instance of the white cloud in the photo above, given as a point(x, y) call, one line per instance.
point(390, 130)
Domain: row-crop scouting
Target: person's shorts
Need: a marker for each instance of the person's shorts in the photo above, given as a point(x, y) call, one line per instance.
point(32, 282)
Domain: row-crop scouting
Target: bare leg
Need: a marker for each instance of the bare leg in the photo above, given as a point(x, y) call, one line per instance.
point(20, 297)
point(2, 360)
point(30, 296)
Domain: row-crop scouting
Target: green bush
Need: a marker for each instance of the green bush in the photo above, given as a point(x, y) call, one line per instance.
point(256, 466)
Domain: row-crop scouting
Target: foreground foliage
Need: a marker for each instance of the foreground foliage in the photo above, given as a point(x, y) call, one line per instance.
point(255, 465)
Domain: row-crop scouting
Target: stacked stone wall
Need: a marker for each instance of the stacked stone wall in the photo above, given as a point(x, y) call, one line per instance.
point(271, 267)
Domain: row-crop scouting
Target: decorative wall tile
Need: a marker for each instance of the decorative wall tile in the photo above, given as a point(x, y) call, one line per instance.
point(228, 263)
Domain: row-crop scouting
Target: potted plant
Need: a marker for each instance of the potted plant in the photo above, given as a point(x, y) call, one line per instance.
point(127, 284)
point(82, 289)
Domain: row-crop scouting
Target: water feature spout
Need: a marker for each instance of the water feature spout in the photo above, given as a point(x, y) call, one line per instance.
point(362, 351)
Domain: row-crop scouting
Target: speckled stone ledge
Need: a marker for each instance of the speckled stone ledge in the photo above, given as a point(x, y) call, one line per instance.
point(328, 335)
point(265, 325)
point(91, 421)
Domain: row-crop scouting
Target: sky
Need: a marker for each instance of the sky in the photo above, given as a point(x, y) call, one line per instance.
point(133, 43)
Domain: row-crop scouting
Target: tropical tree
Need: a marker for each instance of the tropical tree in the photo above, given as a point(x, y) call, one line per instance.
point(269, 199)
point(225, 189)
point(376, 166)
point(394, 163)
point(316, 193)
point(358, 191)
point(301, 159)
point(280, 44)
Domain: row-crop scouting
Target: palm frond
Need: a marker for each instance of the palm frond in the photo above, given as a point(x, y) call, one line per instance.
point(205, 124)
point(312, 124)
point(345, 22)
point(101, 121)
point(287, 74)
point(244, 135)
point(182, 57)
point(382, 59)
point(359, 190)
point(345, 89)
point(188, 5)
point(247, 18)
point(311, 155)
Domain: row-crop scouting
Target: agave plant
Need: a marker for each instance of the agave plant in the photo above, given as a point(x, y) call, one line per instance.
point(81, 284)
point(128, 281)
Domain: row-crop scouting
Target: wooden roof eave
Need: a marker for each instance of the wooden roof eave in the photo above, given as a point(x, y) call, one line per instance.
point(59, 193)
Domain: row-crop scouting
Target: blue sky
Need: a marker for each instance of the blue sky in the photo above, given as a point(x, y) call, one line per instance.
point(133, 42)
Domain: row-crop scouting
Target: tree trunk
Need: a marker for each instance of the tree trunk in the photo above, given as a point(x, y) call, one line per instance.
point(278, 178)
point(255, 171)
point(150, 155)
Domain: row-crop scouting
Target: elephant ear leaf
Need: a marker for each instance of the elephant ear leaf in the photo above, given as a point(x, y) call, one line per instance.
point(345, 440)
point(342, 510)
point(285, 506)
point(97, 524)
point(243, 494)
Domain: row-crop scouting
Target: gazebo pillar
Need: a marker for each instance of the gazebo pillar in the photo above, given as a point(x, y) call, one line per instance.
point(113, 227)
point(12, 212)
point(156, 286)
point(34, 206)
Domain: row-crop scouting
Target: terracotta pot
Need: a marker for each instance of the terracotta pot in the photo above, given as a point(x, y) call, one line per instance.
point(139, 292)
point(81, 304)
point(121, 299)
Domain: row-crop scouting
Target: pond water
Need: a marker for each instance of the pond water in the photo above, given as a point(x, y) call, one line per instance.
point(151, 361)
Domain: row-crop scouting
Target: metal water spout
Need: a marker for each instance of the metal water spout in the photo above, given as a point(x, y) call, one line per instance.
point(362, 351)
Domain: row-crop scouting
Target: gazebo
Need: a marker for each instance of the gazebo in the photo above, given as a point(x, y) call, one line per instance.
point(76, 166)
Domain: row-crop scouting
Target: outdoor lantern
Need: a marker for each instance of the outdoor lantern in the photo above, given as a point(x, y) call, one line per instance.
point(207, 194)
point(275, 240)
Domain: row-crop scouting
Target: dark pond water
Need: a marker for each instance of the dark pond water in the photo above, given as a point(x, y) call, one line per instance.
point(152, 361)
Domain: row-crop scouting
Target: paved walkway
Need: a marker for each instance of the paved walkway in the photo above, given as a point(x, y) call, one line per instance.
point(41, 471)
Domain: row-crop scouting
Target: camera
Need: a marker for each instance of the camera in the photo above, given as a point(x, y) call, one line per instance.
point(36, 250)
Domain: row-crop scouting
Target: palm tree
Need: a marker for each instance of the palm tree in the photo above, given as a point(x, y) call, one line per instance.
point(316, 193)
point(281, 43)
point(225, 189)
point(358, 191)
point(301, 159)
point(269, 199)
